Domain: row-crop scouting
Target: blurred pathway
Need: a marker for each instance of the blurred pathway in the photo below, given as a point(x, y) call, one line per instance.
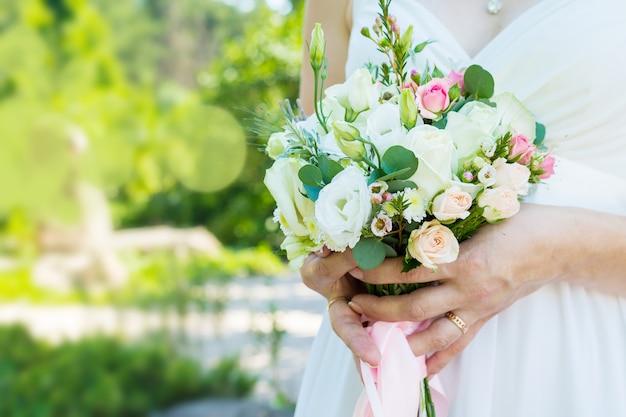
point(244, 328)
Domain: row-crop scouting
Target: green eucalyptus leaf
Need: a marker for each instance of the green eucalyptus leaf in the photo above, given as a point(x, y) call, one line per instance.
point(310, 175)
point(369, 253)
point(329, 168)
point(400, 162)
point(390, 252)
point(540, 134)
point(478, 82)
point(399, 185)
point(312, 192)
point(375, 175)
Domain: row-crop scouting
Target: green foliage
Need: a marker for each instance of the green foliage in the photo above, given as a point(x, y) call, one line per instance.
point(479, 83)
point(101, 376)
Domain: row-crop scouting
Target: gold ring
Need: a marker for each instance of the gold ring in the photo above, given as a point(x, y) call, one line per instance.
point(334, 300)
point(457, 321)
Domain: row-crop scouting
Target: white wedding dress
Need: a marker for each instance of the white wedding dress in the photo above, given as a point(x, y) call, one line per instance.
point(560, 351)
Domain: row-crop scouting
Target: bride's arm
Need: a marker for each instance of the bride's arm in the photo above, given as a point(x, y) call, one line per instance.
point(335, 17)
point(496, 267)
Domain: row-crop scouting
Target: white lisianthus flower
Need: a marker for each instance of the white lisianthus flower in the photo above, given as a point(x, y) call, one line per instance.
point(298, 249)
point(276, 144)
point(515, 116)
point(281, 179)
point(452, 204)
point(499, 203)
point(514, 176)
point(432, 244)
point(416, 205)
point(343, 208)
point(357, 94)
point(384, 128)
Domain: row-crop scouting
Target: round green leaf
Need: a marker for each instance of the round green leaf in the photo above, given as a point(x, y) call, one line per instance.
point(399, 162)
point(478, 82)
point(369, 253)
point(310, 175)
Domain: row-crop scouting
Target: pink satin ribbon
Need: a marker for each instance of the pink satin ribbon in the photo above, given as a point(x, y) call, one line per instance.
point(392, 389)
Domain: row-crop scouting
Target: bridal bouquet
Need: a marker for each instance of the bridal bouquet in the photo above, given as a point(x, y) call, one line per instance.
point(399, 161)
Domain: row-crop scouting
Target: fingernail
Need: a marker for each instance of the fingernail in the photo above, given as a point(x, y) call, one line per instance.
point(355, 307)
point(357, 273)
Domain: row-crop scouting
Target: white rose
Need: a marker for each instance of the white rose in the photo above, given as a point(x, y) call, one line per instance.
point(485, 115)
point(357, 94)
point(452, 204)
point(282, 181)
point(432, 244)
point(437, 158)
point(384, 128)
point(276, 144)
point(515, 116)
point(514, 176)
point(343, 208)
point(468, 135)
point(499, 203)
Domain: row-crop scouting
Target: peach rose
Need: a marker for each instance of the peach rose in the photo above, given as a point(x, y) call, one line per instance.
point(452, 204)
point(499, 203)
point(432, 244)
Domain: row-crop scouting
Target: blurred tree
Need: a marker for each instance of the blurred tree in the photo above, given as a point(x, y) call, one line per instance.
point(254, 71)
point(72, 110)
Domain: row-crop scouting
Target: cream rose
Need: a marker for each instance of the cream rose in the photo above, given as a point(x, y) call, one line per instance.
point(432, 244)
point(499, 203)
point(452, 204)
point(514, 176)
point(281, 179)
point(343, 208)
point(298, 249)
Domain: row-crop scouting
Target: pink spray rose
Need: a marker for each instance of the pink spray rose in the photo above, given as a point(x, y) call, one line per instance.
point(547, 166)
point(522, 148)
point(432, 97)
point(456, 77)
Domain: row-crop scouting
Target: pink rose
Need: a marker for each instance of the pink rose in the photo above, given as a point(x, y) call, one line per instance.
point(499, 203)
point(547, 166)
point(432, 97)
point(432, 244)
point(520, 147)
point(452, 204)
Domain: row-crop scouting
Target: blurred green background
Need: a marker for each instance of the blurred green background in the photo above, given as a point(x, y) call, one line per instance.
point(131, 181)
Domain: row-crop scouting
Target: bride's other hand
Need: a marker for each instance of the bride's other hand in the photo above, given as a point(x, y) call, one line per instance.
point(328, 273)
point(498, 265)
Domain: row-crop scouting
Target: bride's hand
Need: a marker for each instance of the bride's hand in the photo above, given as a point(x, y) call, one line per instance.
point(498, 265)
point(328, 273)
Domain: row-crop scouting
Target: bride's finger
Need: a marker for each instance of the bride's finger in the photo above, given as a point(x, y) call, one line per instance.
point(437, 361)
point(390, 271)
point(421, 304)
point(347, 325)
point(320, 272)
point(441, 334)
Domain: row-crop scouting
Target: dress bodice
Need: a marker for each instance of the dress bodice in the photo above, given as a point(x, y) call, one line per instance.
point(565, 67)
